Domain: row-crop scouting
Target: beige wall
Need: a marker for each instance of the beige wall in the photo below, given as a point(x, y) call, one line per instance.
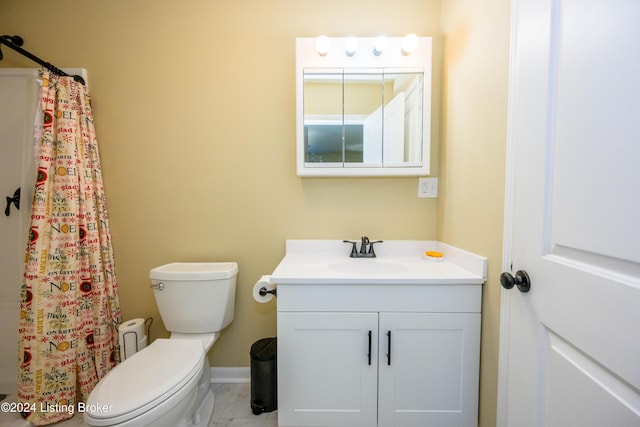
point(472, 157)
point(195, 114)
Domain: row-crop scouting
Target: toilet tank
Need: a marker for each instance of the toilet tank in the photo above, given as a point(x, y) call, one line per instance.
point(195, 297)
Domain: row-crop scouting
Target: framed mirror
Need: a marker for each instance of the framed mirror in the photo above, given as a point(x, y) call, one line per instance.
point(363, 114)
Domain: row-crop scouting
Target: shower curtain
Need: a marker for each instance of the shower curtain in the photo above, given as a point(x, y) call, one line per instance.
point(70, 308)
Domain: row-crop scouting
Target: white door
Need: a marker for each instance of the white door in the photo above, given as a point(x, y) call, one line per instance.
point(570, 347)
point(327, 369)
point(393, 131)
point(383, 134)
point(413, 122)
point(428, 373)
point(372, 138)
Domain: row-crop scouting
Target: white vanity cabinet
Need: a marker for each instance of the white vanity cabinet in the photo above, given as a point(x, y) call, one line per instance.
point(378, 364)
point(324, 377)
point(392, 341)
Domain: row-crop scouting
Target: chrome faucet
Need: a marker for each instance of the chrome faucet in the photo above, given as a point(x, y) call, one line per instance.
point(363, 253)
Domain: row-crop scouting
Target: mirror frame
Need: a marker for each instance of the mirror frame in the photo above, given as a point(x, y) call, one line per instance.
point(391, 59)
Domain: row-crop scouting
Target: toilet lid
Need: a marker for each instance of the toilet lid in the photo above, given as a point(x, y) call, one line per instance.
point(147, 378)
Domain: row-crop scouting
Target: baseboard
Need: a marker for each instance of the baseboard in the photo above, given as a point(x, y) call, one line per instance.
point(230, 375)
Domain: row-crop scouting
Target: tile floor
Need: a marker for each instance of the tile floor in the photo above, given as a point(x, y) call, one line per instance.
point(232, 409)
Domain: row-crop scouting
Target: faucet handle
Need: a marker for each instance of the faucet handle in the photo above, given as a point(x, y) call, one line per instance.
point(371, 247)
point(354, 249)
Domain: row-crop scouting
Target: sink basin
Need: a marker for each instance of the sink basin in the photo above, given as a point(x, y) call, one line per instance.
point(327, 262)
point(368, 266)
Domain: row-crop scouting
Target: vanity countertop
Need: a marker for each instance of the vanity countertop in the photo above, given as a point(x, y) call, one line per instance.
point(397, 262)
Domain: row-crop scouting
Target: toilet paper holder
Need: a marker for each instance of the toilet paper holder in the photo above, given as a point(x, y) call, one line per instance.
point(124, 341)
point(139, 338)
point(263, 291)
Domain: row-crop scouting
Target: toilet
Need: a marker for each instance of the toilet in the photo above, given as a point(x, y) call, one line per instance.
point(168, 382)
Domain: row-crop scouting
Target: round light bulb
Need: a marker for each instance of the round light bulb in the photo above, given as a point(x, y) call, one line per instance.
point(323, 44)
point(380, 45)
point(350, 46)
point(409, 44)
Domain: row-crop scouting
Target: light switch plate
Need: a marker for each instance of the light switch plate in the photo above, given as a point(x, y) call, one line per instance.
point(428, 187)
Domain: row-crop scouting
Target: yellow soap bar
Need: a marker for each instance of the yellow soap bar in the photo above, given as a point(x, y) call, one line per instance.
point(434, 254)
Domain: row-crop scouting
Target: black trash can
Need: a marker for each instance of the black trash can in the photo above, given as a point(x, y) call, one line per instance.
point(264, 376)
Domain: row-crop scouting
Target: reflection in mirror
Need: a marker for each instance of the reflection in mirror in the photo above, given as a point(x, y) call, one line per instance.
point(323, 118)
point(363, 119)
point(408, 89)
point(363, 99)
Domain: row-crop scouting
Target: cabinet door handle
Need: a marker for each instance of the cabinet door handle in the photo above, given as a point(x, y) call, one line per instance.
point(389, 348)
point(369, 354)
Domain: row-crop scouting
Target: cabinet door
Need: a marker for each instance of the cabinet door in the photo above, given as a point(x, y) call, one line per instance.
point(429, 369)
point(327, 369)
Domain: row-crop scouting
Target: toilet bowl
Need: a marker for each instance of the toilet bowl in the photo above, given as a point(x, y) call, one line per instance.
point(142, 389)
point(168, 382)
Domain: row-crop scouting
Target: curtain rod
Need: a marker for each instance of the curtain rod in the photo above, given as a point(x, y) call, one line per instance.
point(14, 42)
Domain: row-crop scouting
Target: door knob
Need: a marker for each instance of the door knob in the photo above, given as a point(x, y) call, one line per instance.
point(522, 280)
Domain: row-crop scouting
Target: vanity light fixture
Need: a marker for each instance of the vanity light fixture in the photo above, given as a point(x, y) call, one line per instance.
point(350, 46)
point(380, 45)
point(323, 44)
point(409, 44)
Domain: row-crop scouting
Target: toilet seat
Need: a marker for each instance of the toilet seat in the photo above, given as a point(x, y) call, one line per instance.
point(145, 380)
